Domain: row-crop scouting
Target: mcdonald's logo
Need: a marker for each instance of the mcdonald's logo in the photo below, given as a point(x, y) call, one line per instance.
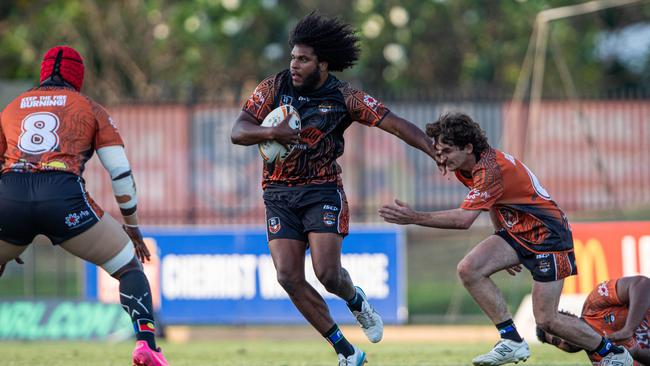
point(592, 267)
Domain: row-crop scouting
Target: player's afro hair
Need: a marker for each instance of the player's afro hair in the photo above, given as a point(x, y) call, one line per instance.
point(333, 41)
point(458, 129)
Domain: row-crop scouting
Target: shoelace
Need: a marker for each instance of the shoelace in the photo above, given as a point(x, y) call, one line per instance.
point(365, 318)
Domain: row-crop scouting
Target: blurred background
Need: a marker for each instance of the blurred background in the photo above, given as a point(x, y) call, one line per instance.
point(565, 91)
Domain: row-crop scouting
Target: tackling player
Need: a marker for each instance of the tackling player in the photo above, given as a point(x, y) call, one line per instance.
point(47, 134)
point(305, 203)
point(619, 310)
point(530, 230)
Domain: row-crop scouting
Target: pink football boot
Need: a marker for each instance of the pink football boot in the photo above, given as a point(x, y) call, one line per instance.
point(145, 356)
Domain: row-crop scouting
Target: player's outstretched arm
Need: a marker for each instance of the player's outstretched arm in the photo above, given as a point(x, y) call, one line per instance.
point(117, 165)
point(633, 291)
point(408, 132)
point(401, 213)
point(247, 131)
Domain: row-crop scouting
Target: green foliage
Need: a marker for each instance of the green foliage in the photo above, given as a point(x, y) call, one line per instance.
point(220, 49)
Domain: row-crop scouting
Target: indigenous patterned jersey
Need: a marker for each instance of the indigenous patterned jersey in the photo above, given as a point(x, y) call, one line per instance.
point(325, 114)
point(53, 128)
point(604, 312)
point(502, 184)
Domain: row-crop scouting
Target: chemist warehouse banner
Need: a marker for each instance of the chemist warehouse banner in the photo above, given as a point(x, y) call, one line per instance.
point(206, 276)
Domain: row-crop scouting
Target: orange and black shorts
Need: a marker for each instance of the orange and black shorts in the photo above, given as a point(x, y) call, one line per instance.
point(544, 266)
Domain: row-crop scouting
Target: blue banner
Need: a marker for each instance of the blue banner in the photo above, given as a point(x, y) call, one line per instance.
point(226, 276)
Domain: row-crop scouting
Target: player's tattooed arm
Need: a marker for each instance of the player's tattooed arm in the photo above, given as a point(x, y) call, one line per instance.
point(401, 213)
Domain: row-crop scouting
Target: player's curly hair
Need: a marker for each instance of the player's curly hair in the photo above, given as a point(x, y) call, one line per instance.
point(458, 129)
point(333, 41)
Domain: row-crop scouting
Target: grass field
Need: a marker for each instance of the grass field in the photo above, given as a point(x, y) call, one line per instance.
point(265, 353)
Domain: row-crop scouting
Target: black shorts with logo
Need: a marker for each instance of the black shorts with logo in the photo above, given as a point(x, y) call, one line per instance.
point(293, 212)
point(544, 266)
point(54, 204)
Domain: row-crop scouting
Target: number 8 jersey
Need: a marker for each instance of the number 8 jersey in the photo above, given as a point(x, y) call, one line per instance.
point(53, 129)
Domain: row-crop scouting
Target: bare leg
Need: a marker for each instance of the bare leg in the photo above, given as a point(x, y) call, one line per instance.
point(10, 251)
point(488, 257)
point(546, 297)
point(326, 259)
point(289, 260)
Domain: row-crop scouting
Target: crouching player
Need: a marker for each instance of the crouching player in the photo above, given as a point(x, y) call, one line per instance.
point(47, 134)
point(619, 310)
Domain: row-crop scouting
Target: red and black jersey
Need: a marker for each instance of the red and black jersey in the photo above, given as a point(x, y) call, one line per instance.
point(325, 114)
point(522, 206)
point(53, 128)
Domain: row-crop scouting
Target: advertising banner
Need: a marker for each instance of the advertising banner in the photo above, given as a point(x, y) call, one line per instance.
point(226, 276)
point(606, 250)
point(63, 320)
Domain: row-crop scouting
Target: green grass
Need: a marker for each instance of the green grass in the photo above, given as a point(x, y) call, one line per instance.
point(265, 353)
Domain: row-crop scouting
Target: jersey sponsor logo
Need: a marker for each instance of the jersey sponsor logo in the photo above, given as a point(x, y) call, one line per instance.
point(325, 108)
point(475, 194)
point(43, 101)
point(329, 218)
point(257, 98)
point(544, 265)
point(370, 102)
point(303, 99)
point(274, 225)
point(54, 165)
point(602, 289)
point(330, 207)
point(74, 219)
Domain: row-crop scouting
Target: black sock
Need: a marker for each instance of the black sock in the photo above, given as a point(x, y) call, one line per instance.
point(338, 341)
point(135, 296)
point(354, 303)
point(507, 330)
point(605, 347)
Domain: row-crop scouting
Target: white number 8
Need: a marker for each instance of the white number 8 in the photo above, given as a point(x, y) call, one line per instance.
point(39, 133)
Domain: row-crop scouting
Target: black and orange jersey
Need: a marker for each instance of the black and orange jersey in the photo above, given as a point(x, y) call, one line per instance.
point(521, 205)
point(606, 314)
point(325, 114)
point(53, 128)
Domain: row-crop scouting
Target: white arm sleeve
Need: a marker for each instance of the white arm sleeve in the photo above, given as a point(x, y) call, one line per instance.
point(114, 160)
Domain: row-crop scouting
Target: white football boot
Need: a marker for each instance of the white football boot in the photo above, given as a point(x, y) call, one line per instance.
point(358, 358)
point(505, 351)
point(369, 319)
point(617, 359)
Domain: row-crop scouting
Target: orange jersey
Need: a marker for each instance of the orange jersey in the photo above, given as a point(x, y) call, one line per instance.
point(53, 128)
point(521, 205)
point(606, 314)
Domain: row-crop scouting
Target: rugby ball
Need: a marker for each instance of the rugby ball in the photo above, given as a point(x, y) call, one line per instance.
point(271, 149)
